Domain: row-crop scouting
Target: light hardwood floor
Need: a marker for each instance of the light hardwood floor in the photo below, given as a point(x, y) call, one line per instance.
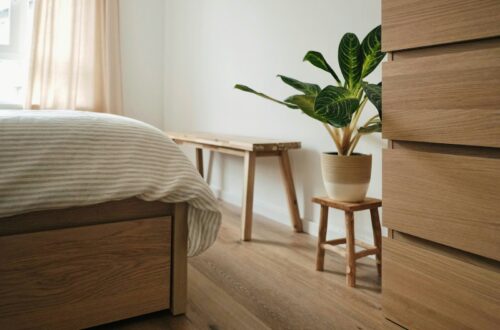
point(271, 283)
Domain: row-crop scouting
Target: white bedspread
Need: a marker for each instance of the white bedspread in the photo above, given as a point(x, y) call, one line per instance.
point(53, 159)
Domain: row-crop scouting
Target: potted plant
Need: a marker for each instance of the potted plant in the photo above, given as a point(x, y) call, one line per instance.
point(346, 174)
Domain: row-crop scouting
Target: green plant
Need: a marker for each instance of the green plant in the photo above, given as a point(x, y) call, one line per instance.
point(339, 107)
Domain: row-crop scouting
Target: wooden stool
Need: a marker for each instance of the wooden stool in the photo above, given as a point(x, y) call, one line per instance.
point(349, 252)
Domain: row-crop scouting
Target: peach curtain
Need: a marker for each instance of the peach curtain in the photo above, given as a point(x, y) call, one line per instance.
point(75, 57)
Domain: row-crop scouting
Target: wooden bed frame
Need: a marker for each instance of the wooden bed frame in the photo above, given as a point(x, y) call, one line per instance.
point(85, 266)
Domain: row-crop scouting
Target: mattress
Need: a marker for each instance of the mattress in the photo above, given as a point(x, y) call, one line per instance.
point(51, 159)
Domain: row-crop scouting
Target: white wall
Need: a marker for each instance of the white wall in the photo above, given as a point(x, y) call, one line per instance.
point(141, 29)
point(212, 44)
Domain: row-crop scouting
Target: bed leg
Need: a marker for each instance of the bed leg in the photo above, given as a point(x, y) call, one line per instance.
point(178, 295)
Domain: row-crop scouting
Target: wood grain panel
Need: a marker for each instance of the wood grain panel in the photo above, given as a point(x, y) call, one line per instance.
point(78, 277)
point(424, 288)
point(449, 149)
point(417, 23)
point(450, 199)
point(114, 211)
point(448, 98)
point(234, 142)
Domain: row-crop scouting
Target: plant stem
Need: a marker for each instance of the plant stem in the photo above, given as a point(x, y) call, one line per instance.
point(357, 114)
point(354, 142)
point(370, 120)
point(346, 139)
point(334, 136)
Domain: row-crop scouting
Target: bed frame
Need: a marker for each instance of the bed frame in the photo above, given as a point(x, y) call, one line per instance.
point(85, 266)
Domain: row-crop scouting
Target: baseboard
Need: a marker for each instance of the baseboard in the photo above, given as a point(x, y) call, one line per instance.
point(281, 215)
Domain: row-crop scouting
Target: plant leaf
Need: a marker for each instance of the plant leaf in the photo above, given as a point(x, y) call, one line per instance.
point(249, 90)
point(306, 104)
point(375, 127)
point(374, 94)
point(317, 59)
point(306, 88)
point(336, 105)
point(371, 49)
point(350, 59)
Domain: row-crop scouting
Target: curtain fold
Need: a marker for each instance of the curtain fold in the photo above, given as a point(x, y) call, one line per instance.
point(75, 58)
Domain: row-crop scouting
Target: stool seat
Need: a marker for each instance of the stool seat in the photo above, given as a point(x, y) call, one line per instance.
point(349, 252)
point(368, 203)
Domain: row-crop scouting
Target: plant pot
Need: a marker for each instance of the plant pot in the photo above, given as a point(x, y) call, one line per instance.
point(346, 178)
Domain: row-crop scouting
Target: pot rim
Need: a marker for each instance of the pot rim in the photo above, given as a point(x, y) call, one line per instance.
point(335, 153)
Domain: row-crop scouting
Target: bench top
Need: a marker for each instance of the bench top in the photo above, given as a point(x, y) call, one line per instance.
point(368, 203)
point(245, 143)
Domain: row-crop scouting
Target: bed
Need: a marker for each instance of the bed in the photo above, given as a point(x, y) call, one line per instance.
point(98, 214)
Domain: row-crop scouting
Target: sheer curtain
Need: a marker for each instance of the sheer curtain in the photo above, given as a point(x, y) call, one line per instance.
point(75, 56)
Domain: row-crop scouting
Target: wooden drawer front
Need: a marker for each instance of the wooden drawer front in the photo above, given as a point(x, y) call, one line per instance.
point(451, 98)
point(417, 23)
point(425, 289)
point(449, 199)
point(78, 277)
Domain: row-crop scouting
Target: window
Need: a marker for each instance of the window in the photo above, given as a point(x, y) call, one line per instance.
point(16, 17)
point(4, 22)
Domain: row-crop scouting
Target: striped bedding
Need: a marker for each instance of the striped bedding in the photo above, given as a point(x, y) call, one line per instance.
point(53, 159)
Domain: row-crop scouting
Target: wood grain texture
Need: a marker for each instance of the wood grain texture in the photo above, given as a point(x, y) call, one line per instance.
point(249, 148)
point(377, 237)
point(448, 149)
point(417, 23)
point(293, 207)
point(78, 277)
point(271, 283)
point(114, 211)
point(323, 227)
point(350, 268)
point(425, 288)
point(247, 203)
point(449, 199)
point(178, 297)
point(444, 97)
point(367, 204)
point(349, 252)
point(242, 143)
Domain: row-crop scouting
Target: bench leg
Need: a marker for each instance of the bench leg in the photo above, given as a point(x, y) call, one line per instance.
point(323, 225)
point(377, 237)
point(293, 207)
point(247, 204)
point(199, 160)
point(350, 249)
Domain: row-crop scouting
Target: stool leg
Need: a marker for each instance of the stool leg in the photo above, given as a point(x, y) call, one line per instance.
point(323, 225)
point(377, 237)
point(351, 261)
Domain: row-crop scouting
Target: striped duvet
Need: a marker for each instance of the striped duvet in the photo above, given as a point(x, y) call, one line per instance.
point(53, 159)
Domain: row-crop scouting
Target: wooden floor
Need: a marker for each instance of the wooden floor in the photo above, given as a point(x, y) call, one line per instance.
point(270, 283)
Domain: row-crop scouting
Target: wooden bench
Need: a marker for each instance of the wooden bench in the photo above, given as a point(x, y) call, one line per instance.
point(249, 148)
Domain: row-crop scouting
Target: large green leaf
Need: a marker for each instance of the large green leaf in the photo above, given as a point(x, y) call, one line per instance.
point(306, 104)
point(336, 105)
point(350, 59)
point(317, 59)
point(372, 53)
point(374, 94)
point(306, 88)
point(249, 90)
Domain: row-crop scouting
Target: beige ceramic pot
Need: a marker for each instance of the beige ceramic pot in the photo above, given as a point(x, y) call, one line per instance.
point(346, 178)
